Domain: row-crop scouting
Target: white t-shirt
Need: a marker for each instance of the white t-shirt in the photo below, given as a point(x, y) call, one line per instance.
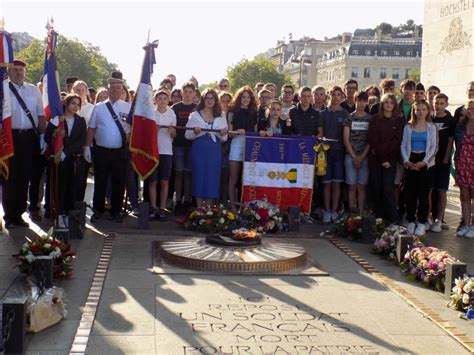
point(86, 111)
point(165, 142)
point(107, 133)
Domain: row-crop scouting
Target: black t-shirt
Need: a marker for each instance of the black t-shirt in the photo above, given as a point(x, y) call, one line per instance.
point(348, 108)
point(445, 126)
point(182, 112)
point(304, 123)
point(244, 119)
point(460, 111)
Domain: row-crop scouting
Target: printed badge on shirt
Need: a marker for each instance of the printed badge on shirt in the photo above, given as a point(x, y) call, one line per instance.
point(360, 126)
point(124, 116)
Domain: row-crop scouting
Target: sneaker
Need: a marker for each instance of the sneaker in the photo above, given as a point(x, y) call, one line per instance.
point(444, 225)
point(420, 230)
point(469, 233)
point(428, 224)
point(62, 221)
point(160, 215)
point(151, 215)
point(327, 217)
point(462, 231)
point(95, 217)
point(411, 227)
point(436, 227)
point(334, 216)
point(135, 212)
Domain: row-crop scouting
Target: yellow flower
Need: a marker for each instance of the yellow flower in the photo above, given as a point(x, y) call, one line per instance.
point(231, 216)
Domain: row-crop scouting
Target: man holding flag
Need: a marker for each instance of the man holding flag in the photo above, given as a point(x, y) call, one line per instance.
point(28, 124)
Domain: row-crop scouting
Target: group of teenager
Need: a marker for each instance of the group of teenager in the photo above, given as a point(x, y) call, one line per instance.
point(403, 148)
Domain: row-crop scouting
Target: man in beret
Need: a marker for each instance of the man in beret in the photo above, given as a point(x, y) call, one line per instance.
point(28, 126)
point(110, 147)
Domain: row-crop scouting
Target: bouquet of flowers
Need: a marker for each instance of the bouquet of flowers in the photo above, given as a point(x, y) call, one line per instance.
point(427, 264)
point(46, 245)
point(261, 216)
point(379, 228)
point(350, 227)
point(462, 294)
point(214, 220)
point(386, 243)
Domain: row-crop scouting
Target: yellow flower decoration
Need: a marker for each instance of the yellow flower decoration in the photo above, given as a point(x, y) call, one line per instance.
point(231, 216)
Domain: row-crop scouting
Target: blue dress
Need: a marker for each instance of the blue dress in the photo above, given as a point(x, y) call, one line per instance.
point(206, 163)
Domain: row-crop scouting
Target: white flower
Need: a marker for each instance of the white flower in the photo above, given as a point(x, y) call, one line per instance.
point(379, 221)
point(26, 245)
point(47, 245)
point(257, 217)
point(221, 220)
point(465, 298)
point(30, 258)
point(209, 213)
point(468, 287)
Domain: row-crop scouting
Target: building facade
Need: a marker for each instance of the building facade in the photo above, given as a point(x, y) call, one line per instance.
point(448, 47)
point(369, 61)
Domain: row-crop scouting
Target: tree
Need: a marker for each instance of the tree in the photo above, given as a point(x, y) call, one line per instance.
point(414, 75)
point(250, 72)
point(74, 59)
point(385, 27)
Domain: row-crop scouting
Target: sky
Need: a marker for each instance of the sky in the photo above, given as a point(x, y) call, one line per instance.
point(197, 38)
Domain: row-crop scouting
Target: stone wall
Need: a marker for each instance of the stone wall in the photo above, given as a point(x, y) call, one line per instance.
point(448, 47)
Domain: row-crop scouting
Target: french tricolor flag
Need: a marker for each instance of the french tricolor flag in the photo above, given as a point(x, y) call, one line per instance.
point(279, 169)
point(51, 97)
point(6, 138)
point(144, 133)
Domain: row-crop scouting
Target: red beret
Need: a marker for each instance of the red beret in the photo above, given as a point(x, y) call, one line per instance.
point(19, 62)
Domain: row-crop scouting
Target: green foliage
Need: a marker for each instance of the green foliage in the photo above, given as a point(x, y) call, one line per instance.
point(250, 72)
point(74, 59)
point(385, 27)
point(213, 85)
point(414, 75)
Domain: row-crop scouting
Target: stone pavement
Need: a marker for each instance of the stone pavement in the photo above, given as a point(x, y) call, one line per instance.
point(349, 311)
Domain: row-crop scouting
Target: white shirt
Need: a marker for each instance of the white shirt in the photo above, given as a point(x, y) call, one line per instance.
point(107, 133)
point(165, 142)
point(86, 111)
point(70, 124)
point(196, 120)
point(33, 100)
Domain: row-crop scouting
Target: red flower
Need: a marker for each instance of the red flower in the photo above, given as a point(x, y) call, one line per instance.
point(35, 249)
point(208, 221)
point(263, 213)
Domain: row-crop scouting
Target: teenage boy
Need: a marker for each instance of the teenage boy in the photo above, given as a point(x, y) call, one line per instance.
point(356, 128)
point(407, 87)
point(420, 93)
point(388, 87)
point(272, 88)
point(432, 92)
point(445, 125)
point(264, 99)
point(461, 110)
point(319, 98)
point(164, 116)
point(182, 149)
point(332, 120)
point(350, 88)
point(287, 93)
point(304, 119)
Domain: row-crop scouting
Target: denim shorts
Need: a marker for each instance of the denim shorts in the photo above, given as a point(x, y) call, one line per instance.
point(356, 176)
point(441, 175)
point(163, 170)
point(237, 148)
point(335, 167)
point(182, 158)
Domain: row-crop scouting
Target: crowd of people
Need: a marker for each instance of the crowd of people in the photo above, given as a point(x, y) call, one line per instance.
point(402, 149)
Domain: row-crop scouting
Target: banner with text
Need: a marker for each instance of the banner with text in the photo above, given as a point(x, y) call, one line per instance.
point(280, 169)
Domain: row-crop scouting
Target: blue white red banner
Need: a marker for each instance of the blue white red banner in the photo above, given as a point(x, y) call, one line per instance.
point(280, 169)
point(51, 97)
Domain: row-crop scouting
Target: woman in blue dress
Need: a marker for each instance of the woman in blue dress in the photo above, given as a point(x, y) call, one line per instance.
point(206, 148)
